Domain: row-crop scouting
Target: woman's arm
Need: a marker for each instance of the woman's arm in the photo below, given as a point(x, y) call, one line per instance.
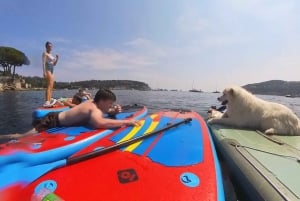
point(56, 60)
point(44, 58)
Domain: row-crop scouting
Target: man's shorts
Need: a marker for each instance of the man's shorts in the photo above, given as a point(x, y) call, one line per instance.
point(49, 121)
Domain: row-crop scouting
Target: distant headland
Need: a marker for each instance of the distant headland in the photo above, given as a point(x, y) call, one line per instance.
point(272, 87)
point(275, 87)
point(35, 83)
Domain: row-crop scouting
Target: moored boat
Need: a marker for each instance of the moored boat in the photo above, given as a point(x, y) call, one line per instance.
point(195, 90)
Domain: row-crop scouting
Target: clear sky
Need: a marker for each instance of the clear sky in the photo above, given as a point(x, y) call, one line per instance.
point(173, 44)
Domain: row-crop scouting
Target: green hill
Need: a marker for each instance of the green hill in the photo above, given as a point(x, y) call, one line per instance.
point(37, 82)
point(275, 87)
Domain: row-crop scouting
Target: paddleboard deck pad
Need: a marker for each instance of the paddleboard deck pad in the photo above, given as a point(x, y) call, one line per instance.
point(264, 167)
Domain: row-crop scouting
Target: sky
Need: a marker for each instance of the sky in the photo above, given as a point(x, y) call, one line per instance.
point(170, 44)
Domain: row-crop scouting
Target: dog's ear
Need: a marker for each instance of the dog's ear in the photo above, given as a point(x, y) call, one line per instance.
point(231, 91)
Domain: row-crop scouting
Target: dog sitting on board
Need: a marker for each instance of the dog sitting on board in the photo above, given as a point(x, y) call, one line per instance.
point(244, 110)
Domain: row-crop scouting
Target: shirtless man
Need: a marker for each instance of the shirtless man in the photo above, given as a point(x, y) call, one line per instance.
point(90, 113)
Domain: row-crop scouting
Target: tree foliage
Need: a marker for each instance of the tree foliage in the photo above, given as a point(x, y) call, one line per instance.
point(36, 82)
point(39, 82)
point(10, 58)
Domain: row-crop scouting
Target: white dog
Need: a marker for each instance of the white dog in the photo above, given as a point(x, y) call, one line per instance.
point(245, 110)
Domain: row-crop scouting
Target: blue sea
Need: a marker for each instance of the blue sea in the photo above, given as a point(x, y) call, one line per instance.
point(17, 106)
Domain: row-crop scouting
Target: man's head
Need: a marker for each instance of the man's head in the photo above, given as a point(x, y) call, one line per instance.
point(80, 92)
point(76, 99)
point(104, 99)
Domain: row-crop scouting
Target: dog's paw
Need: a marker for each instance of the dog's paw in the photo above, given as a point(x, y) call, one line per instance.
point(209, 114)
point(270, 131)
point(211, 120)
point(212, 113)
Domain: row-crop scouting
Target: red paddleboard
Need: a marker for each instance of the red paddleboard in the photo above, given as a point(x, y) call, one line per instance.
point(169, 157)
point(43, 111)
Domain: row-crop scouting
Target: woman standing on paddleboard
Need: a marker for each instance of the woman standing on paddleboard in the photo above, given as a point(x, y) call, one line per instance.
point(49, 61)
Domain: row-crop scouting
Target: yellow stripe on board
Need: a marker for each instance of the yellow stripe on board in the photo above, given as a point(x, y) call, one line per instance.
point(152, 126)
point(133, 131)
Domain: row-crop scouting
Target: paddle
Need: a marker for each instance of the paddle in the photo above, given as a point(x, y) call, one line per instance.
point(28, 173)
point(125, 143)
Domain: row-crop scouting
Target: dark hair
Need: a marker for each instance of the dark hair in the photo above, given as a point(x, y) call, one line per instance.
point(47, 43)
point(104, 94)
point(76, 99)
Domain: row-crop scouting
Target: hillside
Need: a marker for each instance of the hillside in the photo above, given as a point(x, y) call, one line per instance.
point(112, 84)
point(37, 82)
point(275, 87)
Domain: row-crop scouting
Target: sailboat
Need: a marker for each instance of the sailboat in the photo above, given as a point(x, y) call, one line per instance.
point(216, 91)
point(193, 89)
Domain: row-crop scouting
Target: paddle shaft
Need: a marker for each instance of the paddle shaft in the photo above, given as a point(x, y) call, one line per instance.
point(114, 147)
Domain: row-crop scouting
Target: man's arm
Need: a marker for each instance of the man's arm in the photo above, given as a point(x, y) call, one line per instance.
point(67, 103)
point(97, 121)
point(115, 110)
point(88, 95)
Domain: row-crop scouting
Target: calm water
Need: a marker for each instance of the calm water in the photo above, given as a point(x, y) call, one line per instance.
point(17, 107)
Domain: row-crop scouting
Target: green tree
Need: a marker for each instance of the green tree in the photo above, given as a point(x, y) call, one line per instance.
point(10, 58)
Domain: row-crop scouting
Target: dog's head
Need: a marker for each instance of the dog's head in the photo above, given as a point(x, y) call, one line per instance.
point(226, 96)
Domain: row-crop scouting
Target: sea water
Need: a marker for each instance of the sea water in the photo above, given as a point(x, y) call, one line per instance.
point(16, 107)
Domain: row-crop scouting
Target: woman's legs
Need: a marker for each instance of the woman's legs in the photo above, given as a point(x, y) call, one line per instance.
point(51, 86)
point(50, 83)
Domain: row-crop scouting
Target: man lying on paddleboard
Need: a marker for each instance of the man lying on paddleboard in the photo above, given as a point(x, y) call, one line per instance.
point(90, 113)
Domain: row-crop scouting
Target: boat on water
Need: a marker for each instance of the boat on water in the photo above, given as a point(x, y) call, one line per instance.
point(289, 96)
point(196, 90)
point(264, 167)
point(170, 156)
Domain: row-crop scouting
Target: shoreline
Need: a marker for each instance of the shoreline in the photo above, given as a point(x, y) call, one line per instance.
point(22, 89)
